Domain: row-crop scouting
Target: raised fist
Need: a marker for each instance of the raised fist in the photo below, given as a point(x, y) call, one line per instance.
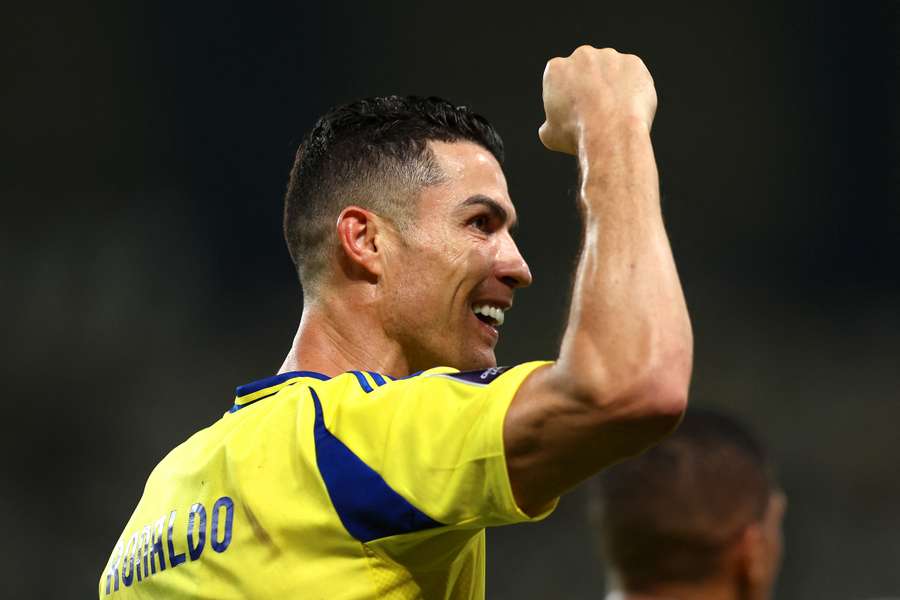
point(593, 92)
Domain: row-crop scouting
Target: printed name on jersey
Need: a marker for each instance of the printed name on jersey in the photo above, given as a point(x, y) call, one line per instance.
point(143, 555)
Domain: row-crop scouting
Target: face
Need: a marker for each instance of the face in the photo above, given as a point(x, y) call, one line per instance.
point(448, 282)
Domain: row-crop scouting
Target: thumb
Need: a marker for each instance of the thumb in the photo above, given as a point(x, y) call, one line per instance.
point(542, 132)
point(555, 140)
point(545, 133)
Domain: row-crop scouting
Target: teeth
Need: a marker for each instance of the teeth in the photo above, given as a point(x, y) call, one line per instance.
point(492, 312)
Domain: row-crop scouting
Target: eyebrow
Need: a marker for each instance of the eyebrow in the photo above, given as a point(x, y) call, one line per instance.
point(497, 211)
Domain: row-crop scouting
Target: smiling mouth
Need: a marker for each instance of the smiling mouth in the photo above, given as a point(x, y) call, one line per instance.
point(490, 315)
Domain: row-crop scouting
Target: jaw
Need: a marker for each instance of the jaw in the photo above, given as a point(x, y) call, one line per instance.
point(478, 347)
point(438, 327)
point(476, 360)
point(466, 345)
point(464, 361)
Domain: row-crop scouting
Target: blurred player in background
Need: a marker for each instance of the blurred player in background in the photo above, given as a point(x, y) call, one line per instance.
point(371, 464)
point(697, 517)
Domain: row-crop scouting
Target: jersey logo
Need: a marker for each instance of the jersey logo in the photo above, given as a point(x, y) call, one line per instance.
point(481, 377)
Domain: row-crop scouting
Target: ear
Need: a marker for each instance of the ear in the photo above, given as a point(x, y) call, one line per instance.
point(358, 233)
point(760, 546)
point(751, 555)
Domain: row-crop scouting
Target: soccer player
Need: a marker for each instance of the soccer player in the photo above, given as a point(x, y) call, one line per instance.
point(371, 464)
point(697, 517)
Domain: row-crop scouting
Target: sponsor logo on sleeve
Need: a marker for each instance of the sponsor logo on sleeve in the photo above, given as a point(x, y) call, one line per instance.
point(482, 377)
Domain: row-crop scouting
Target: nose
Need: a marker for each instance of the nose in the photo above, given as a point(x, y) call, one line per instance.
point(511, 268)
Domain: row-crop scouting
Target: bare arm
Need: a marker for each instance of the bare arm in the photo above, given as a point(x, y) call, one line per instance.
point(621, 380)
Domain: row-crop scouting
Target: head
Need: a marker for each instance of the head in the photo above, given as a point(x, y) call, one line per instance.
point(399, 206)
point(700, 510)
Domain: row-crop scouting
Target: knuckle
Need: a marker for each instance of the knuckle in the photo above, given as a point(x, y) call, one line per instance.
point(636, 60)
point(553, 66)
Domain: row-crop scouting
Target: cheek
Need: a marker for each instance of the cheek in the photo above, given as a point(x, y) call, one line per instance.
point(432, 277)
point(417, 283)
point(449, 263)
point(471, 259)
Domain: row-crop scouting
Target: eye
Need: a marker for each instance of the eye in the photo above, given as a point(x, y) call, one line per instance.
point(481, 223)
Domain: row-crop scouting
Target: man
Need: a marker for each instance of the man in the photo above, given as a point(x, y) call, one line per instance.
point(697, 517)
point(370, 466)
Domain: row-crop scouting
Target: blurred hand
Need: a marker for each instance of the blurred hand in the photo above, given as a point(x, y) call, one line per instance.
point(593, 92)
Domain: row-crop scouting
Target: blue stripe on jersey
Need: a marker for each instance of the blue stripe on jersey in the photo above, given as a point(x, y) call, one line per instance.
point(365, 503)
point(363, 382)
point(236, 407)
point(377, 378)
point(245, 390)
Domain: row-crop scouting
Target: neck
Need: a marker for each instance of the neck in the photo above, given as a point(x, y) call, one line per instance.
point(339, 339)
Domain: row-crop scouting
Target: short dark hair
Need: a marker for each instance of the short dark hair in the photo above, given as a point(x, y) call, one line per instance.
point(666, 515)
point(372, 153)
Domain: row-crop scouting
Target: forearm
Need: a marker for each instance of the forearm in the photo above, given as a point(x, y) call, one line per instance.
point(621, 379)
point(628, 340)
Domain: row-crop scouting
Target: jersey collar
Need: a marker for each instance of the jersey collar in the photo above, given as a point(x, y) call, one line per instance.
point(257, 390)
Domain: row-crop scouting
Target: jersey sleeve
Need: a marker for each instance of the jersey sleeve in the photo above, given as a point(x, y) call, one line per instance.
point(436, 440)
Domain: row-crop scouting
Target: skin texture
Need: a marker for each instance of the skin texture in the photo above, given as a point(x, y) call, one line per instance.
point(401, 303)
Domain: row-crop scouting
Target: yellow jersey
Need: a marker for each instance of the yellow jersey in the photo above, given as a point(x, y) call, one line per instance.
point(356, 486)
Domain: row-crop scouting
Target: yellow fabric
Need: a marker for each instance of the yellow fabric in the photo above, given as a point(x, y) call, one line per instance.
point(271, 528)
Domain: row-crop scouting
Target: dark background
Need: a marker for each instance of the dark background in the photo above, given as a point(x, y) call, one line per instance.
point(147, 146)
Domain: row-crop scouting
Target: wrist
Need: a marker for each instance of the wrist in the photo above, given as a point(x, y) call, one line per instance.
point(617, 161)
point(600, 136)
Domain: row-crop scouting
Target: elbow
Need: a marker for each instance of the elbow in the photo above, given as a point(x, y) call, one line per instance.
point(670, 380)
point(663, 394)
point(664, 400)
point(651, 406)
point(647, 411)
point(648, 399)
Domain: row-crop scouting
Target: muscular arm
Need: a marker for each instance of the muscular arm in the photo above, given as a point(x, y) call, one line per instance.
point(621, 380)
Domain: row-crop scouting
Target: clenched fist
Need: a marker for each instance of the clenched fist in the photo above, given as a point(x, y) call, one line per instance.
point(592, 92)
